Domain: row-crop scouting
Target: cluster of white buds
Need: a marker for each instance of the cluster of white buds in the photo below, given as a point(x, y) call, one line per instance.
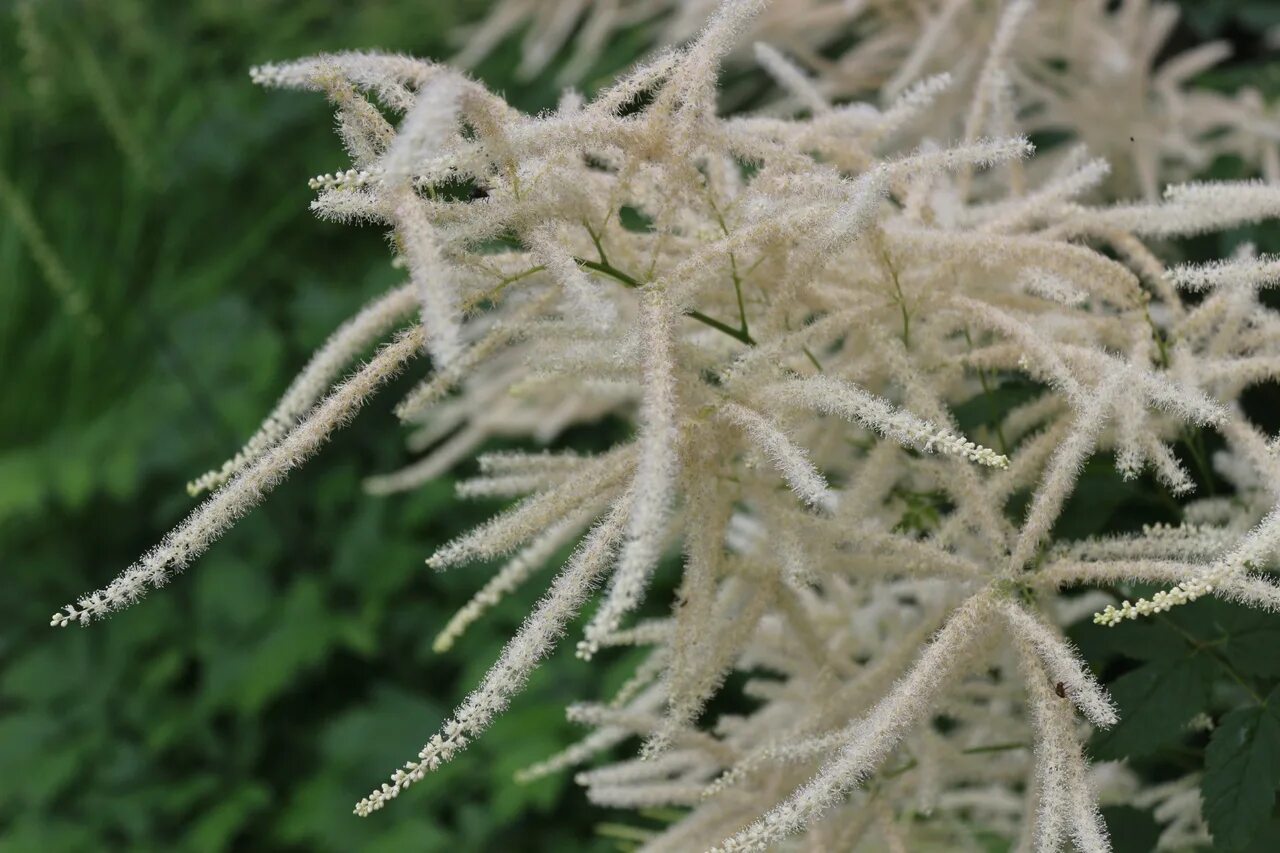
point(351, 179)
point(67, 615)
point(438, 750)
point(948, 442)
point(270, 74)
point(1229, 573)
point(1159, 603)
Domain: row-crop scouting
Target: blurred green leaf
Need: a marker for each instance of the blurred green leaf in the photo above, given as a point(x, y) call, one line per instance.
point(1242, 770)
point(1132, 830)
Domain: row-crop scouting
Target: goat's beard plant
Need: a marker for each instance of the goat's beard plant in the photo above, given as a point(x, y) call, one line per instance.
point(793, 308)
point(1101, 71)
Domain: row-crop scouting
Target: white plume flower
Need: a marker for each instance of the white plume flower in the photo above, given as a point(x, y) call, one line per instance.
point(801, 308)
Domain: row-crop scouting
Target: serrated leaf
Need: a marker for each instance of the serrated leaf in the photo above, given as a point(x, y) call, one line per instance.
point(1155, 701)
point(1246, 637)
point(1242, 770)
point(1150, 642)
point(1252, 647)
point(1266, 840)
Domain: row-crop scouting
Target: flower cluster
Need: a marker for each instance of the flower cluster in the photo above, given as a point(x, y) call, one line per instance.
point(1102, 72)
point(797, 308)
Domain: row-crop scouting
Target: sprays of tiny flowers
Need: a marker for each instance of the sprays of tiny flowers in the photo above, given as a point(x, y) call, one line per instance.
point(795, 306)
point(1160, 602)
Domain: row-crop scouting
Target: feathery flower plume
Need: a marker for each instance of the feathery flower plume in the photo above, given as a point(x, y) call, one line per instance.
point(744, 288)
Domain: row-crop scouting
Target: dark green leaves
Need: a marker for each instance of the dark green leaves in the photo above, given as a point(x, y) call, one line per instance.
point(1211, 658)
point(1253, 646)
point(1156, 701)
point(1132, 830)
point(1242, 770)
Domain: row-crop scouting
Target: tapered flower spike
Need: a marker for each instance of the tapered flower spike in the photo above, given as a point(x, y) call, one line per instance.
point(791, 78)
point(1262, 271)
point(352, 338)
point(655, 479)
point(508, 578)
point(993, 75)
point(1261, 543)
point(1068, 807)
point(901, 709)
point(831, 396)
point(1063, 665)
point(212, 518)
point(536, 637)
point(434, 277)
point(1064, 467)
point(791, 461)
point(531, 517)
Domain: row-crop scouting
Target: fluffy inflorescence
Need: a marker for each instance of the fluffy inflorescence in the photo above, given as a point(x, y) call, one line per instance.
point(795, 310)
point(1099, 70)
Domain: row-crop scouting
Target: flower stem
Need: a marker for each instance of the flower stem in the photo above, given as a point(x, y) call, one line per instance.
point(622, 278)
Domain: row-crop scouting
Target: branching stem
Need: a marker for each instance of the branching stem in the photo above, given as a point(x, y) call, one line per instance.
point(622, 278)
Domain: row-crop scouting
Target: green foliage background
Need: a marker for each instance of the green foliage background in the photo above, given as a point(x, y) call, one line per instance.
point(160, 282)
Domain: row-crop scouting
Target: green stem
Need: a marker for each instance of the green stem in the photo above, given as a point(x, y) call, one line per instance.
point(973, 750)
point(737, 288)
point(622, 278)
point(502, 285)
point(1195, 446)
point(511, 279)
point(901, 300)
point(733, 269)
point(995, 747)
point(595, 238)
point(812, 358)
point(1159, 339)
point(991, 403)
point(623, 832)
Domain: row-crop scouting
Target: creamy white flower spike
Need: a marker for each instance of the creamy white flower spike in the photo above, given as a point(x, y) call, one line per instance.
point(814, 315)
